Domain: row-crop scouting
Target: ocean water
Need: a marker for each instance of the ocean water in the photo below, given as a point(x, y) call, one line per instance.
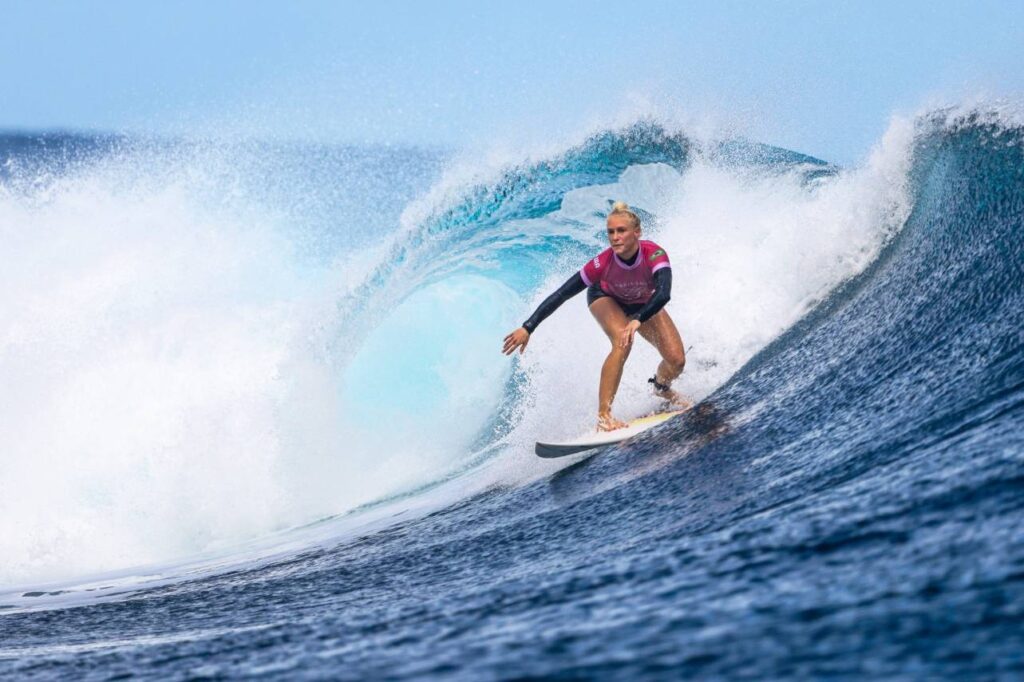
point(255, 420)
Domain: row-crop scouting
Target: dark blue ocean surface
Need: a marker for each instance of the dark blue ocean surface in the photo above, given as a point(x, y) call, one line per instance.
point(849, 504)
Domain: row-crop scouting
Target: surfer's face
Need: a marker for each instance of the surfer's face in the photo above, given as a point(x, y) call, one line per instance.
point(623, 236)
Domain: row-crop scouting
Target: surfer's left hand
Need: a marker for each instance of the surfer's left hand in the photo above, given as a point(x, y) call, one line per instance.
point(517, 339)
point(626, 339)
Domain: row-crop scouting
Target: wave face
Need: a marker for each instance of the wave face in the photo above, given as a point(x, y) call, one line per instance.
point(844, 500)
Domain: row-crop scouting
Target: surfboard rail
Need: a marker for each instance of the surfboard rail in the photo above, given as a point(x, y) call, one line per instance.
point(600, 439)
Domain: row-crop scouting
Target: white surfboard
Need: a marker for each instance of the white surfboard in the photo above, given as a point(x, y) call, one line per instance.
point(597, 439)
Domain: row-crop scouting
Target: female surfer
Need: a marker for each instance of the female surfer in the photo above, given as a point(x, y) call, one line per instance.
point(627, 287)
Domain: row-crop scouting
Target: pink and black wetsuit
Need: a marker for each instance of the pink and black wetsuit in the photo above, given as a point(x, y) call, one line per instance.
point(641, 286)
point(631, 284)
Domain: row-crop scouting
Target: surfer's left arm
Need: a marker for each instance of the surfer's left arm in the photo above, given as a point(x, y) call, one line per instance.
point(662, 294)
point(520, 337)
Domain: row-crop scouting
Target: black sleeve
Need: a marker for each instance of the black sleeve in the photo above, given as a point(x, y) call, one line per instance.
point(662, 293)
point(572, 286)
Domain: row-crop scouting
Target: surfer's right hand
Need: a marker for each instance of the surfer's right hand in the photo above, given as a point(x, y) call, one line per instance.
point(606, 422)
point(517, 339)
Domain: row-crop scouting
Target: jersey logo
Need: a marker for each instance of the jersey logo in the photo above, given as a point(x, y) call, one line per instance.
point(659, 252)
point(597, 262)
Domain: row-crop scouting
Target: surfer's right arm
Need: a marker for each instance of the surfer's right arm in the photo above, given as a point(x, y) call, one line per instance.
point(520, 337)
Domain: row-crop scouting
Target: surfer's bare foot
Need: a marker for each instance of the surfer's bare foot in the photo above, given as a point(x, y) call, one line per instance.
point(606, 422)
point(675, 400)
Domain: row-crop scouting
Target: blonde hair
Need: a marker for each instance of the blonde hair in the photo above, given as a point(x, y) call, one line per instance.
point(622, 208)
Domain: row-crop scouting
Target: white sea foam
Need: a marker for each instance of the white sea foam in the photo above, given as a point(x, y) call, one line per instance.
point(167, 380)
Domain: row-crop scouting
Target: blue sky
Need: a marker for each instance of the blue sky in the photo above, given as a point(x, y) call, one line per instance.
point(819, 77)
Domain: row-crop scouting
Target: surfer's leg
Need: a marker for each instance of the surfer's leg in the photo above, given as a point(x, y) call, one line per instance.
point(612, 320)
point(661, 332)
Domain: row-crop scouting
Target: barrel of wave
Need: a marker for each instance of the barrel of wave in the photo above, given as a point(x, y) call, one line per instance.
point(424, 384)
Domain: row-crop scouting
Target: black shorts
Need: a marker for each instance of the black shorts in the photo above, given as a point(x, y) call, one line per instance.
point(594, 292)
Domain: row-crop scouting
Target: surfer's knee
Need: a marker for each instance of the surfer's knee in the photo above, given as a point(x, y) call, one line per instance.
point(676, 360)
point(620, 353)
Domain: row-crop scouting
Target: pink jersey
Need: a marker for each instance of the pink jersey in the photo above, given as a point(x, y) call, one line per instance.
point(628, 284)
